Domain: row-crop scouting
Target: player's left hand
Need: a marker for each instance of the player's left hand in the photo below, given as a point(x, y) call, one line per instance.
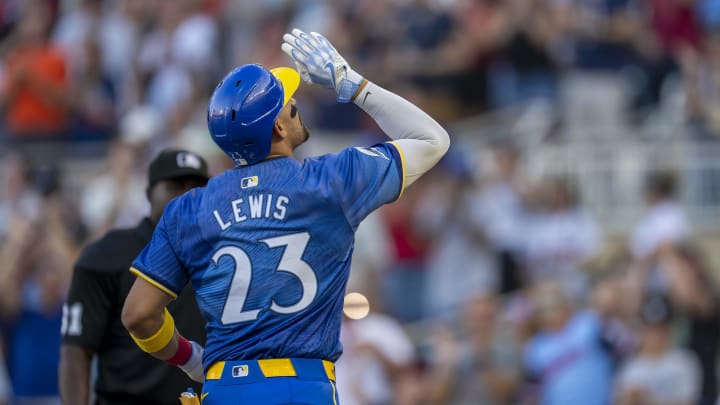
point(318, 62)
point(194, 366)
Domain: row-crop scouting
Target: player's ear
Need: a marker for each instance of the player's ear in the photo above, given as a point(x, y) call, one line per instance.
point(279, 129)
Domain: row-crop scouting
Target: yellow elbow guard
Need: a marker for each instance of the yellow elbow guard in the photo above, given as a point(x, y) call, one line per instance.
point(160, 339)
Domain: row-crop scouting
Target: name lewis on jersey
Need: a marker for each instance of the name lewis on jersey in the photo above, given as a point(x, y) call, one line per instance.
point(253, 206)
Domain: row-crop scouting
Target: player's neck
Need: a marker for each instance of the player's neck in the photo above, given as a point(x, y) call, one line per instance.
point(280, 149)
point(276, 155)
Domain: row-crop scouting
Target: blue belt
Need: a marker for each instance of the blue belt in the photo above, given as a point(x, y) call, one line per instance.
point(248, 371)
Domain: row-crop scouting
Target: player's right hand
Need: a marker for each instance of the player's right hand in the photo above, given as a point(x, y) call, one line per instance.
point(318, 62)
point(194, 366)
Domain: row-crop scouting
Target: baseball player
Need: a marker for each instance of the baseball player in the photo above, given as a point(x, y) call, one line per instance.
point(91, 316)
point(267, 245)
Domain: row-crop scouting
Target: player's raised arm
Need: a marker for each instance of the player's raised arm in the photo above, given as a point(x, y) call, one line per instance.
point(419, 137)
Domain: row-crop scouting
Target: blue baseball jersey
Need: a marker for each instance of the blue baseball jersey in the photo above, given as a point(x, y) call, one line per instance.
point(267, 249)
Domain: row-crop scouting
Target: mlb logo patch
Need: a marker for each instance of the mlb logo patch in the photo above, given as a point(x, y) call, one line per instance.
point(249, 182)
point(240, 371)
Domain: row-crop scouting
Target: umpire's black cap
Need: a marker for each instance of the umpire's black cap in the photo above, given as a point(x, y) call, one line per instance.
point(173, 163)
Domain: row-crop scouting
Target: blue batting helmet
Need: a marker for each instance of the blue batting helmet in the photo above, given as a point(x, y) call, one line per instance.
point(244, 107)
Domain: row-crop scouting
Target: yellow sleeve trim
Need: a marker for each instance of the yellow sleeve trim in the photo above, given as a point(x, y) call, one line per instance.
point(161, 338)
point(155, 284)
point(402, 164)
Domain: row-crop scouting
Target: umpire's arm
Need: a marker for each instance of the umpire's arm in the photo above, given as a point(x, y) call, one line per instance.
point(75, 374)
point(86, 314)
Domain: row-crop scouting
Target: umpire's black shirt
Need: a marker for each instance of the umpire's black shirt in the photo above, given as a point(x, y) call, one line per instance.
point(101, 282)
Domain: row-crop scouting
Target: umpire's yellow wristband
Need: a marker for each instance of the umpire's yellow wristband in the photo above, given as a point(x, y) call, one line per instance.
point(160, 339)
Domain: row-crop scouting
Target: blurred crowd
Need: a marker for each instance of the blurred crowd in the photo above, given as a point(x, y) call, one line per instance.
point(90, 69)
point(509, 293)
point(486, 285)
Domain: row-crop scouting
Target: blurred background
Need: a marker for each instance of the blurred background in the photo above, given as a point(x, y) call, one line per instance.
point(564, 252)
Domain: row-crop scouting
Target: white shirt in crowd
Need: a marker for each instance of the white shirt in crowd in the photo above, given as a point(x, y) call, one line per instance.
point(557, 244)
point(504, 215)
point(28, 207)
point(102, 194)
point(371, 254)
point(116, 34)
point(664, 222)
point(457, 254)
point(361, 377)
point(671, 379)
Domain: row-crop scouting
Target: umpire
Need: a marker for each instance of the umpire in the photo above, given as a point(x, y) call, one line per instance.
point(101, 282)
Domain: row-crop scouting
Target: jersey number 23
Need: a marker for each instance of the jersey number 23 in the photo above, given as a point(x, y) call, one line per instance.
point(290, 262)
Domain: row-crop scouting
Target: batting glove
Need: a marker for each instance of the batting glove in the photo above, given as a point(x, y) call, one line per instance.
point(318, 62)
point(194, 366)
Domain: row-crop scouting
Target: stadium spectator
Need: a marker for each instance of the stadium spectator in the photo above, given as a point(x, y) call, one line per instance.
point(115, 198)
point(501, 198)
point(525, 68)
point(481, 365)
point(675, 24)
point(664, 222)
point(607, 300)
point(458, 64)
point(708, 11)
point(597, 39)
point(165, 81)
point(94, 102)
point(693, 294)
point(404, 278)
point(673, 34)
point(37, 257)
point(459, 249)
point(36, 81)
point(702, 87)
point(561, 238)
point(567, 357)
point(659, 374)
point(176, 55)
point(662, 228)
point(371, 257)
point(376, 353)
point(194, 41)
point(20, 199)
point(123, 25)
point(74, 29)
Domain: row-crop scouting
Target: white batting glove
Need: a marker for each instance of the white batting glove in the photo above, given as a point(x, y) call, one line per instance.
point(318, 62)
point(194, 366)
